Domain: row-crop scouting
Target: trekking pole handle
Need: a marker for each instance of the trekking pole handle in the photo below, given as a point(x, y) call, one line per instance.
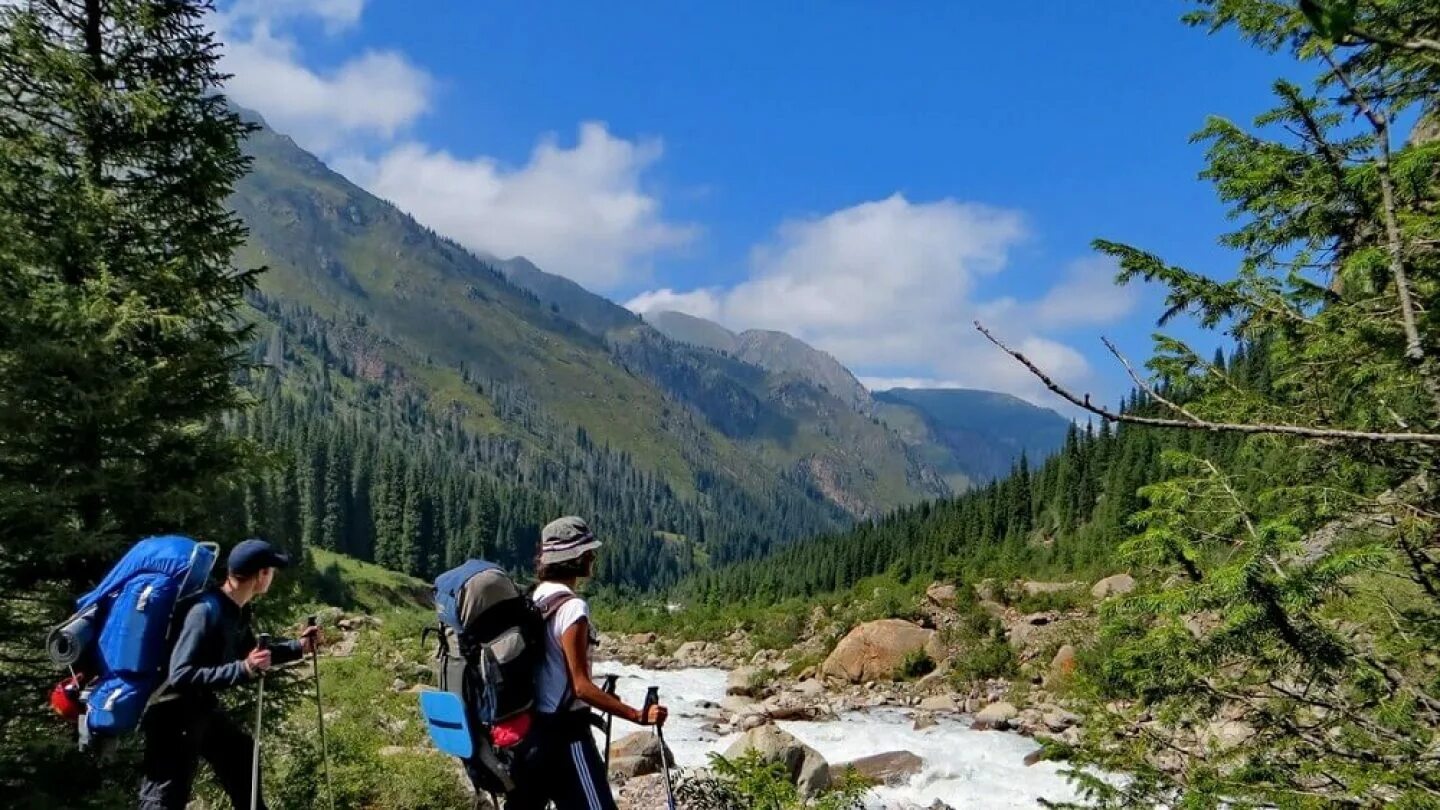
point(263, 641)
point(311, 620)
point(652, 698)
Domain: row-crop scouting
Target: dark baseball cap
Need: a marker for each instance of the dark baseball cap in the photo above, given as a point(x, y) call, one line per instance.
point(247, 558)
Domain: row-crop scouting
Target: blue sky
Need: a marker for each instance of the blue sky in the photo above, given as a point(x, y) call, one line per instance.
point(868, 176)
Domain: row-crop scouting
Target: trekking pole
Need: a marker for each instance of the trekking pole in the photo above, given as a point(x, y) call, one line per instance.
point(262, 643)
point(652, 698)
point(320, 715)
point(609, 689)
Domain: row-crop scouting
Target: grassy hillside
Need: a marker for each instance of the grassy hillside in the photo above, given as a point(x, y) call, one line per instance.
point(351, 584)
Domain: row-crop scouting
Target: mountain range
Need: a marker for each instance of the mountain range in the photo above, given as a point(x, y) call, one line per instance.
point(968, 436)
point(756, 424)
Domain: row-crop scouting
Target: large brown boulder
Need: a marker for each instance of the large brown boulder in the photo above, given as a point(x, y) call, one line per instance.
point(875, 650)
point(889, 768)
point(808, 771)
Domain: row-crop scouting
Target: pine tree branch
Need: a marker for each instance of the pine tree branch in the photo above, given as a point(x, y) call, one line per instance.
point(1394, 243)
point(1146, 387)
point(1083, 402)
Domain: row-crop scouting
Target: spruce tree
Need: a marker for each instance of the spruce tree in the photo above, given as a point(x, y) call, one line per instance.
point(119, 336)
point(1280, 650)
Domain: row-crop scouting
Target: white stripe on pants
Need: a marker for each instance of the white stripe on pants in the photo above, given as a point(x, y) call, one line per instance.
point(582, 770)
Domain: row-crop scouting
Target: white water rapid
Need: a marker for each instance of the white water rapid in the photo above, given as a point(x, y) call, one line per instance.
point(963, 768)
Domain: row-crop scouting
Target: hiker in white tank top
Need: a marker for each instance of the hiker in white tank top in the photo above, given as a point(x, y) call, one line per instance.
point(552, 686)
point(559, 762)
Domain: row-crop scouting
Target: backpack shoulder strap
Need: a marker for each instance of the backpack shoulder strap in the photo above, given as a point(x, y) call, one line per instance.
point(205, 599)
point(550, 605)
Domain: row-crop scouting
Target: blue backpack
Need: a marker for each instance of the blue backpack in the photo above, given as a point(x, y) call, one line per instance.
point(492, 642)
point(119, 635)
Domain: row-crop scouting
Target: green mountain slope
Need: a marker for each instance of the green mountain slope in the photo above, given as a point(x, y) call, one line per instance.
point(796, 408)
point(971, 436)
point(597, 314)
point(494, 396)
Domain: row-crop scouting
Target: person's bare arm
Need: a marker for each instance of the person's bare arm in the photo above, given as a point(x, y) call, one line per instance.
point(575, 642)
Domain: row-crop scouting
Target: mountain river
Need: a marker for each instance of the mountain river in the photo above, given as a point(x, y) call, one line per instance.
point(963, 768)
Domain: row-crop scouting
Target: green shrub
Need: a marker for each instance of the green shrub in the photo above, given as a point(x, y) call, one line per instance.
point(1059, 601)
point(364, 715)
point(808, 660)
point(761, 678)
point(779, 631)
point(990, 658)
point(750, 782)
point(916, 664)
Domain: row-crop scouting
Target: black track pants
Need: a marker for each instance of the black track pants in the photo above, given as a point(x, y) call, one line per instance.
point(176, 739)
point(559, 762)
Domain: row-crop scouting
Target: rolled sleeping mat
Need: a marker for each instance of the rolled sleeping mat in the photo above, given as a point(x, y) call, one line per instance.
point(68, 642)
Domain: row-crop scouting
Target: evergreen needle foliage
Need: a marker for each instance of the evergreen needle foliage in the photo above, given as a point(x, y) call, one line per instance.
point(119, 340)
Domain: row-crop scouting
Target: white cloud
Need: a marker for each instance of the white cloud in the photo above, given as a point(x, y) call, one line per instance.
point(1087, 295)
point(375, 94)
point(1084, 294)
point(700, 303)
point(580, 211)
point(892, 284)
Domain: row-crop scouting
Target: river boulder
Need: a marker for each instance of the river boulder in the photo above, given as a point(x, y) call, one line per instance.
point(1033, 588)
point(889, 768)
point(943, 704)
point(745, 682)
point(638, 754)
point(809, 771)
point(875, 650)
point(998, 715)
point(791, 706)
point(738, 704)
point(692, 654)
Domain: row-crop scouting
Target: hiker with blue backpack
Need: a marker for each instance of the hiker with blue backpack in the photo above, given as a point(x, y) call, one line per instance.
point(559, 761)
point(516, 690)
point(214, 649)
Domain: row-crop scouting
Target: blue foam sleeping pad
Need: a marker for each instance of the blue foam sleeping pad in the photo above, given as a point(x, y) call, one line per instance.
point(444, 715)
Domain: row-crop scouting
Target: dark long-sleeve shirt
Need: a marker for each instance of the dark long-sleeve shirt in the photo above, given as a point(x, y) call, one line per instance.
point(211, 643)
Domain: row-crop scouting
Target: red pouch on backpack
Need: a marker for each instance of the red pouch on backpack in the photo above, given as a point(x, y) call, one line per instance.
point(65, 698)
point(510, 731)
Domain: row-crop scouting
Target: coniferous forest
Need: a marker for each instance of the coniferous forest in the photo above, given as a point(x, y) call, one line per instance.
point(353, 468)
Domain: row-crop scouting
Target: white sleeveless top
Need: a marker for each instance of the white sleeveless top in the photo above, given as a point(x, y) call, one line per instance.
point(552, 682)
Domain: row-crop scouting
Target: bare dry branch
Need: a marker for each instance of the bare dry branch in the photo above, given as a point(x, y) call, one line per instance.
point(1301, 431)
point(1146, 387)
